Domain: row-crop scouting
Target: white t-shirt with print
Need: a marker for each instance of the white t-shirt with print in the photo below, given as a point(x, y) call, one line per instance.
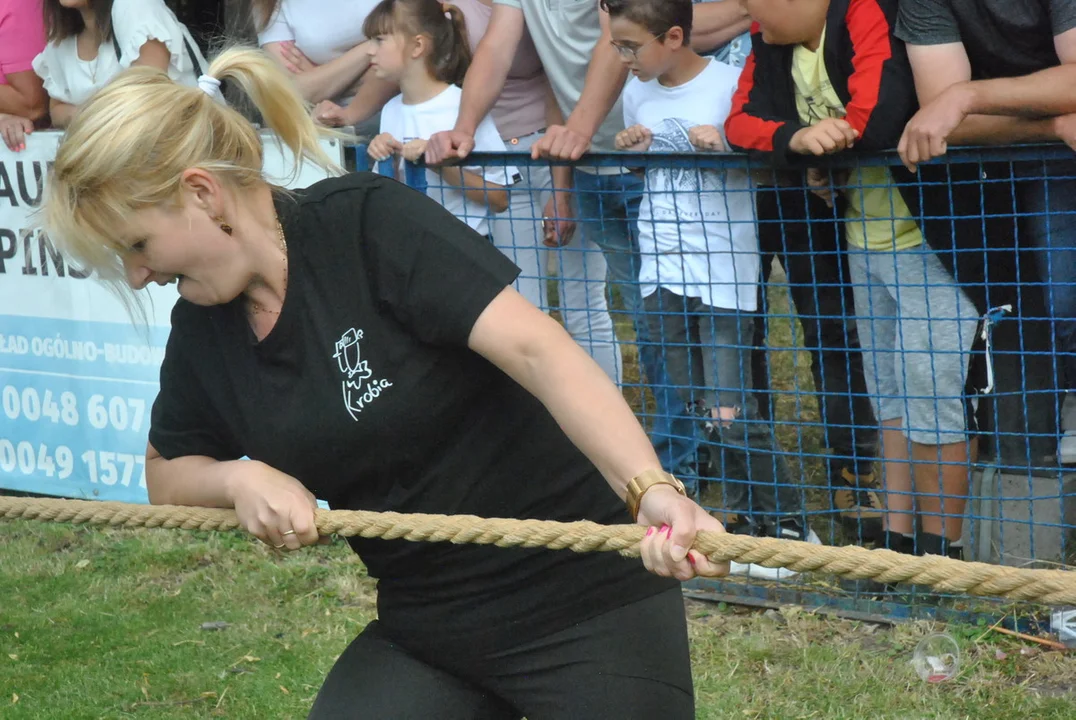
point(697, 232)
point(70, 79)
point(421, 121)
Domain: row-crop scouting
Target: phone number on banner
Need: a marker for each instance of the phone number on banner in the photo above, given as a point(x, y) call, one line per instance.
point(100, 411)
point(98, 466)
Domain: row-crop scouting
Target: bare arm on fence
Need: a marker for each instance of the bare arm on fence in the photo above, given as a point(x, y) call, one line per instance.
point(940, 72)
point(558, 216)
point(482, 85)
point(535, 351)
point(715, 24)
point(372, 94)
point(605, 79)
point(1046, 93)
point(61, 112)
point(24, 95)
point(323, 82)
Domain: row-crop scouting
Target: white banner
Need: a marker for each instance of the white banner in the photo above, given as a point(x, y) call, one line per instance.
point(77, 378)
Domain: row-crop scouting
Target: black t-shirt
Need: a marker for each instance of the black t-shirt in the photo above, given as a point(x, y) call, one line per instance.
point(1003, 38)
point(366, 392)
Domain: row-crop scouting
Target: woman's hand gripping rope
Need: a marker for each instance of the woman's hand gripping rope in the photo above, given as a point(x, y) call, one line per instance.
point(273, 506)
point(673, 521)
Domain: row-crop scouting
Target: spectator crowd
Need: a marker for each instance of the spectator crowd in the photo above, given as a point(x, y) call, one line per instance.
point(889, 282)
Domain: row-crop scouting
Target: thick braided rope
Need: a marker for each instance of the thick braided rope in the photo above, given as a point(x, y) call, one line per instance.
point(1053, 587)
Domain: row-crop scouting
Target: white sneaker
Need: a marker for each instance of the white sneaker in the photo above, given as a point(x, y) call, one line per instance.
point(1068, 413)
point(1066, 449)
point(736, 568)
point(760, 572)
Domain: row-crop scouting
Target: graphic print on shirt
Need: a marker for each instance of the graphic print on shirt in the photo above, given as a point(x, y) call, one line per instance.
point(358, 389)
point(688, 185)
point(819, 106)
point(671, 135)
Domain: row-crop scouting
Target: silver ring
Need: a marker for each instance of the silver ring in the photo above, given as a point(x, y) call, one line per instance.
point(277, 547)
point(285, 534)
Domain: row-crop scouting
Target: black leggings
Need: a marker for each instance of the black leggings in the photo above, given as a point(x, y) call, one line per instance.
point(627, 663)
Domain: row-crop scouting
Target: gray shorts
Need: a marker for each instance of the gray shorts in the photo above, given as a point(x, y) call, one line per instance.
point(916, 328)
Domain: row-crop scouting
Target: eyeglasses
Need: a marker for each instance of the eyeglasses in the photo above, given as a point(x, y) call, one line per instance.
point(628, 53)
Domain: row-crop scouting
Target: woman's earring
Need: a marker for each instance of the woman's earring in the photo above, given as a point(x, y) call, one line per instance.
point(223, 225)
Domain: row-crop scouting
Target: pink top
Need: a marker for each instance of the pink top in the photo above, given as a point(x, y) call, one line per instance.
point(22, 35)
point(520, 110)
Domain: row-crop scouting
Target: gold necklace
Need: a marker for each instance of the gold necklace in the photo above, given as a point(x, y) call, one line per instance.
point(90, 64)
point(284, 247)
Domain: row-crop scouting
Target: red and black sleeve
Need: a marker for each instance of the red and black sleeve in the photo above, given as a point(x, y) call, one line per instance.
point(881, 86)
point(755, 124)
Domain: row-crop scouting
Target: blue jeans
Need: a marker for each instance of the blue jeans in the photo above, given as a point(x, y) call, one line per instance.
point(1048, 198)
point(607, 211)
point(708, 357)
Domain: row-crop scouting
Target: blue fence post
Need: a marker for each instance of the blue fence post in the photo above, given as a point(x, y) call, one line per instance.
point(415, 176)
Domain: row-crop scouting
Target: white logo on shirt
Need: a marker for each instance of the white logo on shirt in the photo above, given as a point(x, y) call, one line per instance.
point(356, 371)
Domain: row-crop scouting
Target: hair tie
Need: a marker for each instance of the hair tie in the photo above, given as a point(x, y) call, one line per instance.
point(446, 8)
point(211, 87)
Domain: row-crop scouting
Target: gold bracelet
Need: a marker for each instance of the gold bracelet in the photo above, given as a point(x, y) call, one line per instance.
point(643, 482)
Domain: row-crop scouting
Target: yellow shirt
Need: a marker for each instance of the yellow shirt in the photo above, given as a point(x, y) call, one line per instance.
point(878, 218)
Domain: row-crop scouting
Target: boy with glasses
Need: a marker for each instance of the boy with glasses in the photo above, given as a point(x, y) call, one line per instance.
point(700, 262)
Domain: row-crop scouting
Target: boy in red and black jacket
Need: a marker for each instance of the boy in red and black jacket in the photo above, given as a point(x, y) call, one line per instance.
point(825, 76)
point(867, 69)
point(765, 122)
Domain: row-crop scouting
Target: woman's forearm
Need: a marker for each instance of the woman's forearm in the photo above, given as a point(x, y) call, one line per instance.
point(332, 79)
point(13, 102)
point(475, 187)
point(590, 408)
point(61, 112)
point(194, 480)
point(371, 96)
point(538, 353)
point(553, 115)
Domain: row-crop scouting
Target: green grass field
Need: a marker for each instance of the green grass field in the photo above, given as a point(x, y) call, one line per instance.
point(99, 623)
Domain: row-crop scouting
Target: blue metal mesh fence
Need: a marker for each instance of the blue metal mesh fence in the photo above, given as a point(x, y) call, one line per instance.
point(822, 353)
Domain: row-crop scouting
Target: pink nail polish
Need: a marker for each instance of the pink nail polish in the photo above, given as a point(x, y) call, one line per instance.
point(649, 531)
point(691, 559)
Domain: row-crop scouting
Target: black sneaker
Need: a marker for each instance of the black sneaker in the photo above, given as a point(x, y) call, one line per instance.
point(791, 528)
point(856, 499)
point(741, 524)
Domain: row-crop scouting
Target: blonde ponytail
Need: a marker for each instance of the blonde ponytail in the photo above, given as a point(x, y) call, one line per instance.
point(129, 145)
point(274, 94)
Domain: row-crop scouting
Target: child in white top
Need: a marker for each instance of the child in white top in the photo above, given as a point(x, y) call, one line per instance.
point(86, 50)
point(422, 45)
point(700, 262)
point(697, 232)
